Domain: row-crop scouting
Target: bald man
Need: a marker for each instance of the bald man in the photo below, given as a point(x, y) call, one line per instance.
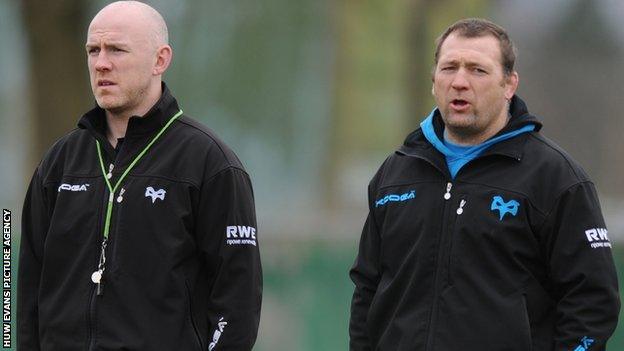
point(139, 229)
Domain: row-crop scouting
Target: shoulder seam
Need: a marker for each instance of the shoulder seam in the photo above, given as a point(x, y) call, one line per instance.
point(564, 156)
point(547, 214)
point(211, 138)
point(226, 168)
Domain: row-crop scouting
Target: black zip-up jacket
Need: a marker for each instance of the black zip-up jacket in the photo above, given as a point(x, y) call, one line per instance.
point(182, 268)
point(512, 254)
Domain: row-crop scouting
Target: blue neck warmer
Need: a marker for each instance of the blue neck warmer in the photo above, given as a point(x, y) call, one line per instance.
point(456, 155)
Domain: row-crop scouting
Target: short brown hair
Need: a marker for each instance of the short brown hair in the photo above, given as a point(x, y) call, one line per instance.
point(478, 27)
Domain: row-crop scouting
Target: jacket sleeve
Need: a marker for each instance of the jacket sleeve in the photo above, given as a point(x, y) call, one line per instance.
point(35, 223)
point(227, 233)
point(582, 271)
point(365, 274)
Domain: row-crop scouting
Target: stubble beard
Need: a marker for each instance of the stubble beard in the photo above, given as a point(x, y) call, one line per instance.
point(119, 105)
point(467, 127)
point(474, 125)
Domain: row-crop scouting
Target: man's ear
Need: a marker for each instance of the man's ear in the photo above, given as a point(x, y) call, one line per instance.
point(164, 54)
point(511, 85)
point(433, 80)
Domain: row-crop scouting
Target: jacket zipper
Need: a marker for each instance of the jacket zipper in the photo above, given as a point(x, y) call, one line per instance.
point(92, 320)
point(97, 276)
point(447, 194)
point(109, 175)
point(459, 211)
point(447, 225)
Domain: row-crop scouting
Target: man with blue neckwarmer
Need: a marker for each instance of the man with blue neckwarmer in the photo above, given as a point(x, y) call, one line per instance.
point(501, 244)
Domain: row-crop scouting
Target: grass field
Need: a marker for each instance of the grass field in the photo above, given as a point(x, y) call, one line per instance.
point(307, 296)
point(308, 293)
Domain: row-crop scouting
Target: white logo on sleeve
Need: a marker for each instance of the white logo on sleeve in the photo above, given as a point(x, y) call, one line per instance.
point(155, 194)
point(217, 334)
point(240, 235)
point(73, 187)
point(598, 237)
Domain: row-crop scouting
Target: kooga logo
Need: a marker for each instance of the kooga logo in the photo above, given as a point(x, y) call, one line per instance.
point(73, 187)
point(396, 198)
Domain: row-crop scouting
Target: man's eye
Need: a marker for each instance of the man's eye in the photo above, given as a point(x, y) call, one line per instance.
point(93, 51)
point(446, 68)
point(480, 70)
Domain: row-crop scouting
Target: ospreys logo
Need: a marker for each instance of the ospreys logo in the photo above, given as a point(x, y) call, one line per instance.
point(155, 194)
point(503, 207)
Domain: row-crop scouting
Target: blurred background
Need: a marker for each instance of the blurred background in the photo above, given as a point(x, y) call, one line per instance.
point(313, 95)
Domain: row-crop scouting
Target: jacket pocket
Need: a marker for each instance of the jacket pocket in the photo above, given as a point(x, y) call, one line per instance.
point(526, 324)
point(472, 320)
point(191, 319)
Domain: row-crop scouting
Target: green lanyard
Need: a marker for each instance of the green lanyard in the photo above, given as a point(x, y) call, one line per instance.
point(112, 189)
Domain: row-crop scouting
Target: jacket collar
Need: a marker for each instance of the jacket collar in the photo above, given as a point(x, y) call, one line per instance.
point(140, 128)
point(95, 120)
point(417, 145)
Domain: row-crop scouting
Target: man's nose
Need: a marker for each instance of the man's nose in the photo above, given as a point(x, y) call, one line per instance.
point(102, 63)
point(460, 81)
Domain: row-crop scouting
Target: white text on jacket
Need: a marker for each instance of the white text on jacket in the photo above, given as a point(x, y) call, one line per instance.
point(240, 235)
point(73, 187)
point(598, 237)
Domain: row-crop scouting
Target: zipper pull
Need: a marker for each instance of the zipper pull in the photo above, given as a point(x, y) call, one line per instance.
point(460, 210)
point(447, 195)
point(120, 197)
point(109, 175)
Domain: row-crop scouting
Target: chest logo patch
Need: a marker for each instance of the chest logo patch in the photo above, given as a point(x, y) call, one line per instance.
point(503, 207)
point(73, 187)
point(155, 194)
point(598, 237)
point(396, 198)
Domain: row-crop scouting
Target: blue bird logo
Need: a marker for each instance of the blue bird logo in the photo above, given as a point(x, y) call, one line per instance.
point(504, 207)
